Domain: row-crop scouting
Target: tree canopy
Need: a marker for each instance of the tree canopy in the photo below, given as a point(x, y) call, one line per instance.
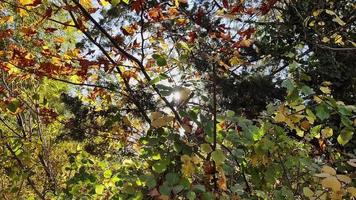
point(177, 99)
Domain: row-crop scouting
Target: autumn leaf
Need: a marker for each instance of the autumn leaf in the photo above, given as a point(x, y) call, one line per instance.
point(332, 183)
point(328, 170)
point(159, 119)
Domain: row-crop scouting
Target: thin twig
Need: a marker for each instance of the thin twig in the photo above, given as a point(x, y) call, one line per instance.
point(130, 57)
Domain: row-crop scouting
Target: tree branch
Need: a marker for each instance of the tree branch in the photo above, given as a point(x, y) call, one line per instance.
point(130, 57)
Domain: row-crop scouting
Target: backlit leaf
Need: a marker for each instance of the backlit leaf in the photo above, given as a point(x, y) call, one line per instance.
point(99, 189)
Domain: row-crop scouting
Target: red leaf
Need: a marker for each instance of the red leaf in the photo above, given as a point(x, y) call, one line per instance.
point(236, 9)
point(137, 5)
point(50, 30)
point(225, 4)
point(247, 33)
point(265, 7)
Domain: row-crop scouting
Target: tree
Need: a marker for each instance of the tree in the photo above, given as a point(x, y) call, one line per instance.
point(109, 99)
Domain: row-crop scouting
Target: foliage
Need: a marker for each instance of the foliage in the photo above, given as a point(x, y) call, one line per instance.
point(177, 99)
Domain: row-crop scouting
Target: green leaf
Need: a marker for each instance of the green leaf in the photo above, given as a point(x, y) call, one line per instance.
point(322, 112)
point(308, 192)
point(138, 196)
point(36, 97)
point(107, 173)
point(206, 148)
point(346, 122)
point(151, 182)
point(288, 84)
point(155, 56)
point(115, 2)
point(13, 105)
point(230, 113)
point(178, 188)
point(315, 132)
point(172, 178)
point(159, 167)
point(99, 189)
point(208, 196)
point(218, 156)
point(307, 90)
point(191, 195)
point(345, 136)
point(165, 189)
point(199, 188)
point(257, 134)
point(161, 61)
point(158, 79)
point(184, 45)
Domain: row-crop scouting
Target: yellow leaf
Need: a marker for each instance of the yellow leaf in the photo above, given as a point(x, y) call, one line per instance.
point(236, 60)
point(330, 12)
point(299, 108)
point(317, 13)
point(327, 132)
point(328, 170)
point(344, 178)
point(317, 99)
point(23, 13)
point(182, 21)
point(299, 132)
point(332, 183)
point(185, 158)
point(86, 3)
point(352, 191)
point(338, 20)
point(246, 43)
point(310, 116)
point(325, 90)
point(326, 83)
point(195, 159)
point(336, 195)
point(325, 39)
point(353, 43)
point(104, 3)
point(312, 23)
point(59, 39)
point(7, 19)
point(226, 66)
point(280, 115)
point(338, 40)
point(26, 2)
